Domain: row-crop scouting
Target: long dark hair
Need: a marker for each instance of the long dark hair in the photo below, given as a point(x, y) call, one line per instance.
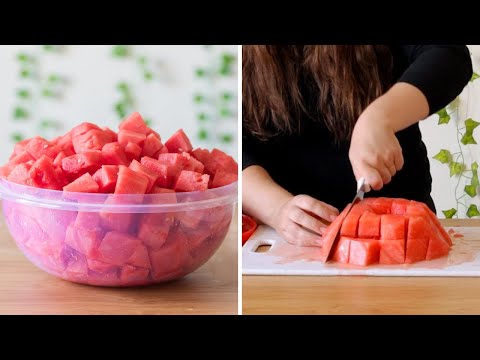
point(348, 78)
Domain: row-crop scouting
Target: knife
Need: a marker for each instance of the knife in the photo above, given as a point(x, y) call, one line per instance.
point(330, 238)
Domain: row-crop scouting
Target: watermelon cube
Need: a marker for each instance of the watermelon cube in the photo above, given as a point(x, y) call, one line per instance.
point(191, 181)
point(171, 257)
point(164, 176)
point(45, 176)
point(202, 155)
point(393, 227)
point(66, 145)
point(106, 178)
point(112, 134)
point(100, 266)
point(417, 240)
point(83, 239)
point(58, 160)
point(179, 143)
point(20, 175)
point(114, 154)
point(369, 226)
point(90, 220)
point(174, 162)
point(141, 169)
point(91, 140)
point(20, 147)
point(364, 252)
point(437, 247)
point(84, 183)
point(392, 251)
point(133, 151)
point(134, 275)
point(399, 206)
point(342, 250)
point(38, 146)
point(126, 136)
point(79, 164)
point(21, 158)
point(350, 224)
point(5, 171)
point(136, 124)
point(382, 205)
point(116, 221)
point(131, 182)
point(82, 129)
point(223, 178)
point(152, 145)
point(117, 248)
point(219, 160)
point(192, 164)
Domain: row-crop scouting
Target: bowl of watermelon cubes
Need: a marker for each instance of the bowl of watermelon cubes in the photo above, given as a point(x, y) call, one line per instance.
point(107, 208)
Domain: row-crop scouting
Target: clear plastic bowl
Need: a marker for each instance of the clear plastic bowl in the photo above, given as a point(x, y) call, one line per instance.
point(117, 240)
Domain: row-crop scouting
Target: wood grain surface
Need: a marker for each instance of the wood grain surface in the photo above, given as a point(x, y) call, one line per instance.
point(25, 289)
point(363, 294)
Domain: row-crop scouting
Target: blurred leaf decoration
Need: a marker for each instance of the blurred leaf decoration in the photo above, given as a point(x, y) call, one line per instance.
point(455, 161)
point(215, 103)
point(36, 85)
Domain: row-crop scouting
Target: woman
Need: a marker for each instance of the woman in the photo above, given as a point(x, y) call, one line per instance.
point(318, 117)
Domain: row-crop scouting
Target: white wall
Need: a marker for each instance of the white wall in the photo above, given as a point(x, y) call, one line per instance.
point(92, 74)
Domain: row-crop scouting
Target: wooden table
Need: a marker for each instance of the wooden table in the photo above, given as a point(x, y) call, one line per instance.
point(362, 295)
point(212, 289)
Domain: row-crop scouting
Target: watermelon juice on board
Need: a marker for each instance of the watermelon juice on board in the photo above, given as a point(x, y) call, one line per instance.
point(118, 209)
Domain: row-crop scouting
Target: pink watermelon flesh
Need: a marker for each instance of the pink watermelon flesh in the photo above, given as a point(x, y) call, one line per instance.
point(114, 248)
point(131, 182)
point(342, 250)
point(392, 227)
point(191, 181)
point(392, 251)
point(106, 178)
point(84, 183)
point(179, 143)
point(369, 226)
point(364, 252)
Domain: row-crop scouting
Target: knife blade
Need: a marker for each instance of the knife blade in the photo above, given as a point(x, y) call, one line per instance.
point(331, 238)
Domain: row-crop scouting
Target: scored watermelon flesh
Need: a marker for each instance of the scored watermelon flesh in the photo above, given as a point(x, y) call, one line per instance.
point(179, 142)
point(386, 231)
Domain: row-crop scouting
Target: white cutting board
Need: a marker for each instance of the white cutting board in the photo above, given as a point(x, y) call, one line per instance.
point(286, 259)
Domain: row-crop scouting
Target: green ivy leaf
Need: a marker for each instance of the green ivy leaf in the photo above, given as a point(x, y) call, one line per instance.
point(53, 78)
point(49, 124)
point(25, 73)
point(224, 113)
point(454, 104)
point(123, 87)
point(120, 51)
point(468, 139)
point(24, 58)
point(475, 76)
point(120, 110)
point(225, 70)
point(444, 118)
point(17, 136)
point(471, 124)
point(142, 60)
point(23, 93)
point(473, 211)
point(200, 72)
point(49, 48)
point(474, 166)
point(48, 93)
point(456, 168)
point(226, 138)
point(471, 190)
point(475, 181)
point(227, 96)
point(198, 98)
point(444, 156)
point(228, 58)
point(449, 213)
point(203, 134)
point(202, 116)
point(20, 113)
point(147, 75)
point(148, 122)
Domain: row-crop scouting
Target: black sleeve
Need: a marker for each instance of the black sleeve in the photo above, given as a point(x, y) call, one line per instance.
point(440, 72)
point(251, 150)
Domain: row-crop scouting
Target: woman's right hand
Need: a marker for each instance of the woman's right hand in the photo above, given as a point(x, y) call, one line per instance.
point(299, 220)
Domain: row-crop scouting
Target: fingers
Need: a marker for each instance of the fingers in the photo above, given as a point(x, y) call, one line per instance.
point(302, 218)
point(296, 235)
point(398, 160)
point(316, 207)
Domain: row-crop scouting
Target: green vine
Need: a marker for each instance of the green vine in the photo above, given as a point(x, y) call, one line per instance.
point(456, 161)
point(215, 104)
point(126, 103)
point(34, 86)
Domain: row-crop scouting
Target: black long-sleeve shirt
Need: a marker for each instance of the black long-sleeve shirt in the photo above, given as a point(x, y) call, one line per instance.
point(310, 162)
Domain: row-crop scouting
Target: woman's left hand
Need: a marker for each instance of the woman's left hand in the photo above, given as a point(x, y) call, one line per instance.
point(375, 153)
